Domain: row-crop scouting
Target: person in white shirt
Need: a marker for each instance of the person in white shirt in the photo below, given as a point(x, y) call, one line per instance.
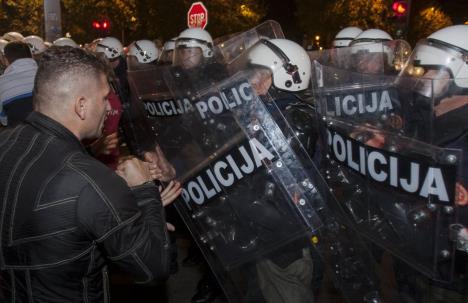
point(16, 84)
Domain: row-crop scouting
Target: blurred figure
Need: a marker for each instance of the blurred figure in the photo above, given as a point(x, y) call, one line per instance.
point(64, 41)
point(345, 36)
point(16, 84)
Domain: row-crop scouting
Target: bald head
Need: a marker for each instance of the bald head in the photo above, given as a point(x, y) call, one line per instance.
point(63, 73)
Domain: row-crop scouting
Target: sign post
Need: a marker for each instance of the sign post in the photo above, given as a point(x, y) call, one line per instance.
point(52, 20)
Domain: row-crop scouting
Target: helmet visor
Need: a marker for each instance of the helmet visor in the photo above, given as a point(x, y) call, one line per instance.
point(431, 66)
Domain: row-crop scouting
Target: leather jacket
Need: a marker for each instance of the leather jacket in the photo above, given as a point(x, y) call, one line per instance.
point(65, 216)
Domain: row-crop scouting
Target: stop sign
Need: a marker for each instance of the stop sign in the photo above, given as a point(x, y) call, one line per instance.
point(197, 15)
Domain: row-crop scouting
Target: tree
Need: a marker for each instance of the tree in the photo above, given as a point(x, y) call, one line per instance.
point(77, 17)
point(230, 16)
point(166, 19)
point(131, 19)
point(427, 21)
point(22, 16)
point(328, 17)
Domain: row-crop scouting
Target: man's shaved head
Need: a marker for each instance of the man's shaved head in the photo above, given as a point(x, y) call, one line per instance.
point(62, 74)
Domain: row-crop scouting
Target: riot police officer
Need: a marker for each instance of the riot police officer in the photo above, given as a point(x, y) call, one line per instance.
point(346, 36)
point(438, 72)
point(65, 41)
point(195, 68)
point(167, 52)
point(145, 51)
point(282, 70)
point(371, 53)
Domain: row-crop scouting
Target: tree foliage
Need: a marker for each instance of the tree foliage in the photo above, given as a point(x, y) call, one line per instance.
point(25, 16)
point(77, 17)
point(328, 17)
point(429, 20)
point(130, 19)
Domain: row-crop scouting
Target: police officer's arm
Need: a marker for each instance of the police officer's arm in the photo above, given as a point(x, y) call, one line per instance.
point(127, 224)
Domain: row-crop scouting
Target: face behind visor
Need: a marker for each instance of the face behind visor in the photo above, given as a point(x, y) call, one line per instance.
point(193, 47)
point(433, 66)
point(190, 53)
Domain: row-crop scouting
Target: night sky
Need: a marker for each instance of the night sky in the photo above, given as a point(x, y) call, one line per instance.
point(283, 11)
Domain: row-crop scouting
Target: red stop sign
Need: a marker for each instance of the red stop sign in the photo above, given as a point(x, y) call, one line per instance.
point(197, 15)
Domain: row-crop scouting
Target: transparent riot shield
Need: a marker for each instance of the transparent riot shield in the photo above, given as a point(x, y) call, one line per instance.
point(370, 99)
point(252, 196)
point(150, 105)
point(398, 182)
point(374, 58)
point(232, 48)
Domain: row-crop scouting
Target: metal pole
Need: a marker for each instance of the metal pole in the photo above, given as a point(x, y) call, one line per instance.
point(52, 20)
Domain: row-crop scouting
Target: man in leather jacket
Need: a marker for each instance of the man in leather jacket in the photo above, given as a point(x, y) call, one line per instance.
point(64, 215)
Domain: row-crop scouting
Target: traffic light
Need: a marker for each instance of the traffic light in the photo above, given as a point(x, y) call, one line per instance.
point(401, 14)
point(101, 25)
point(400, 8)
point(96, 25)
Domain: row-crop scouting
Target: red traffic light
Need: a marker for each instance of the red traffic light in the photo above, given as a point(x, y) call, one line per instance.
point(103, 25)
point(400, 8)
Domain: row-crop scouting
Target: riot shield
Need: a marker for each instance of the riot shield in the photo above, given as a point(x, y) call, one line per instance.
point(241, 202)
point(370, 99)
point(396, 181)
point(374, 58)
point(252, 198)
point(232, 48)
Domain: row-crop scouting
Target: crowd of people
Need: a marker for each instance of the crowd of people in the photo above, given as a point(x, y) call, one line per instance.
point(79, 196)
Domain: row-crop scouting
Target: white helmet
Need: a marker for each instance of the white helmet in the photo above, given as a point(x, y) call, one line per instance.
point(65, 41)
point(373, 41)
point(13, 36)
point(144, 50)
point(445, 52)
point(167, 51)
point(287, 60)
point(345, 36)
point(36, 44)
point(196, 37)
point(110, 46)
point(170, 44)
point(3, 43)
